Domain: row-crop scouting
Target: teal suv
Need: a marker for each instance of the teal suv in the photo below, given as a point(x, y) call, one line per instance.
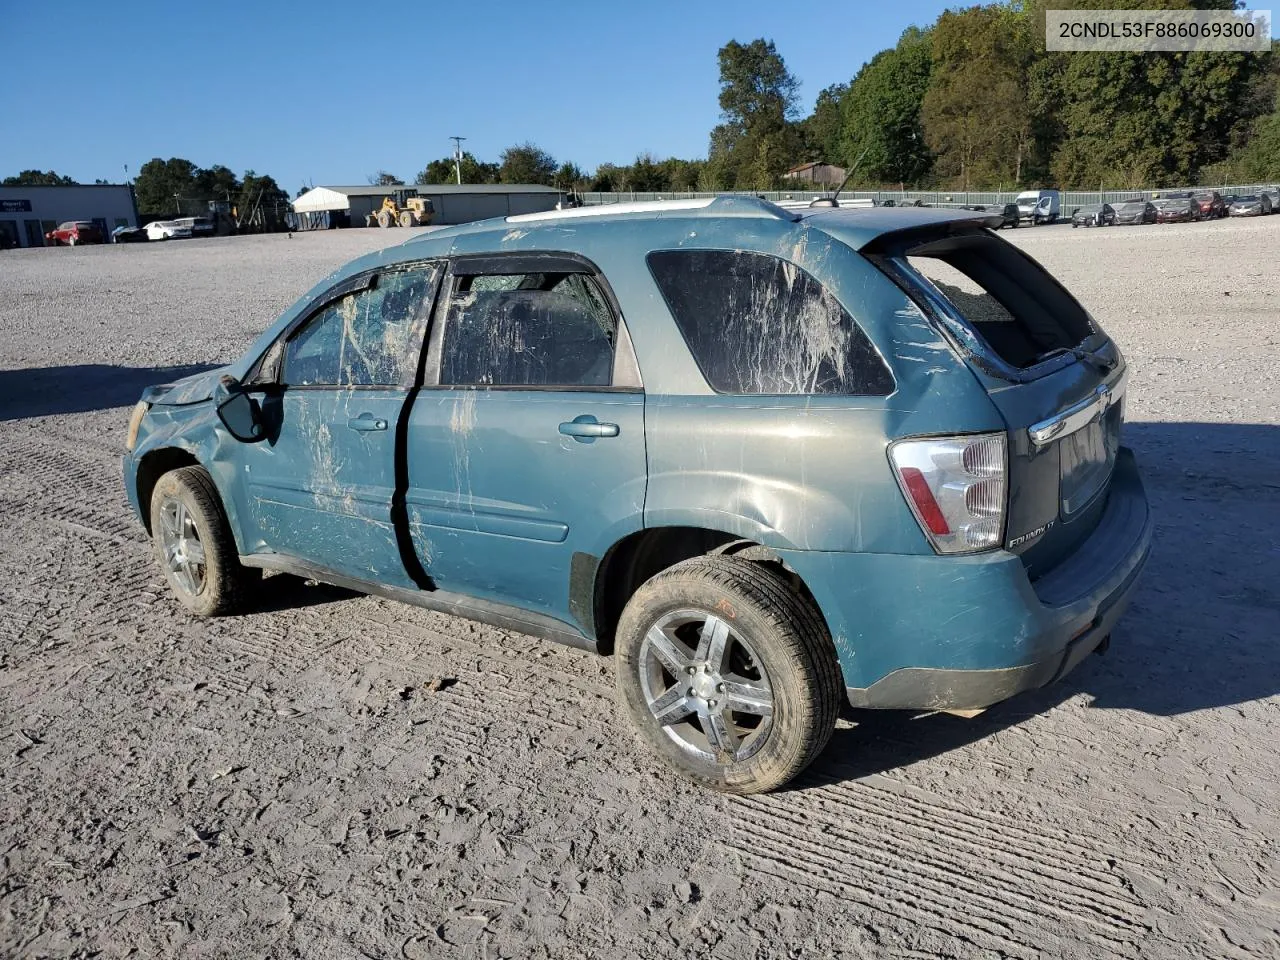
point(770, 460)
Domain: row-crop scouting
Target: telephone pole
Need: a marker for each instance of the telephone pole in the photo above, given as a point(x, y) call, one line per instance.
point(457, 157)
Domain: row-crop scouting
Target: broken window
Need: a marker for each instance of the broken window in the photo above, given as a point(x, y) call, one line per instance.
point(368, 338)
point(529, 329)
point(758, 324)
point(1009, 300)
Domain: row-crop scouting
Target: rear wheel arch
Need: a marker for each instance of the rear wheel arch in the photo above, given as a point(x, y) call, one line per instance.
point(642, 555)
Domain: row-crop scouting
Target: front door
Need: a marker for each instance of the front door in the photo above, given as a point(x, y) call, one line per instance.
point(526, 447)
point(322, 484)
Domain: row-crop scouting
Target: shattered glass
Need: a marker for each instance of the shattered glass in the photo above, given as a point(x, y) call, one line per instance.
point(758, 324)
point(528, 330)
point(371, 337)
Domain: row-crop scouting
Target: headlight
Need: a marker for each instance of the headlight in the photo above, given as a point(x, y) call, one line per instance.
point(135, 421)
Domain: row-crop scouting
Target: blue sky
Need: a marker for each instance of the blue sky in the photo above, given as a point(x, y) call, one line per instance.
point(334, 93)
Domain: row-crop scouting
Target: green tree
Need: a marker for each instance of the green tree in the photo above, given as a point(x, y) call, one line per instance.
point(881, 114)
point(758, 140)
point(571, 177)
point(216, 183)
point(976, 113)
point(609, 177)
point(160, 184)
point(37, 178)
point(681, 174)
point(526, 163)
point(256, 189)
point(823, 130)
point(384, 179)
point(473, 171)
point(646, 175)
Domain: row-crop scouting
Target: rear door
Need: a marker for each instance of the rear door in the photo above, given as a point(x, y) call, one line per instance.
point(1055, 377)
point(525, 447)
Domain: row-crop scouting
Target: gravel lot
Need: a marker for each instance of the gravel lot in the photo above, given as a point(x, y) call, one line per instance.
point(287, 785)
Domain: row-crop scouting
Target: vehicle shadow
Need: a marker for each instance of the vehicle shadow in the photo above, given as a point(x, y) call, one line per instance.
point(283, 591)
point(1200, 633)
point(80, 388)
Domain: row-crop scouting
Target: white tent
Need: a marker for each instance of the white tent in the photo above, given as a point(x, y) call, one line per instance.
point(321, 198)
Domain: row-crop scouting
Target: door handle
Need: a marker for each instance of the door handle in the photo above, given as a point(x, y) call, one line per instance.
point(586, 428)
point(366, 422)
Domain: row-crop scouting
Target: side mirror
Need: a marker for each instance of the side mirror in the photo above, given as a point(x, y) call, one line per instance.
point(238, 411)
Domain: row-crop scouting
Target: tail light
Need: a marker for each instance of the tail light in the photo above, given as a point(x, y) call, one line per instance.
point(957, 488)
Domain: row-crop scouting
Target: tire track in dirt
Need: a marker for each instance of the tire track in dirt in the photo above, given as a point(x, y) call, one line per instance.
point(975, 867)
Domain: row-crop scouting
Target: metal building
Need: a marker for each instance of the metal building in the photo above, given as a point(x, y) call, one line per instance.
point(28, 213)
point(454, 203)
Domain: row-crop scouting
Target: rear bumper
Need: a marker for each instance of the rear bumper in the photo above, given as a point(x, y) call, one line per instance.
point(932, 632)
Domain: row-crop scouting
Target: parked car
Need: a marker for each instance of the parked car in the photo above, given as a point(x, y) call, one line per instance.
point(1097, 215)
point(640, 429)
point(1181, 210)
point(129, 235)
point(1274, 197)
point(1253, 205)
point(1131, 212)
point(1212, 206)
point(1009, 216)
point(1039, 206)
point(167, 230)
point(199, 226)
point(75, 232)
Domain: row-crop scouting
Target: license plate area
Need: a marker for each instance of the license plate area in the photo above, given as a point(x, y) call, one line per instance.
point(1087, 458)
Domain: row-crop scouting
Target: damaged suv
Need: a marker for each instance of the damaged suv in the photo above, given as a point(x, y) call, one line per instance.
point(771, 460)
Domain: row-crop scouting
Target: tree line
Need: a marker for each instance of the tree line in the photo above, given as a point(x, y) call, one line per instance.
point(162, 185)
point(972, 101)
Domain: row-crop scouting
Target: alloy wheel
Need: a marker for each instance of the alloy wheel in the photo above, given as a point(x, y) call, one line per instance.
point(705, 686)
point(180, 547)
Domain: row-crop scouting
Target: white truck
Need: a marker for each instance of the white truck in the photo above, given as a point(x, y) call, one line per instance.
point(1039, 206)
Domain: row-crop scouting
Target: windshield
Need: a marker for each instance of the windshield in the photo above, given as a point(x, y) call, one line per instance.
point(1244, 200)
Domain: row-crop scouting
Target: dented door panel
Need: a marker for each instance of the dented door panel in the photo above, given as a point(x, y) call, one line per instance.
point(499, 499)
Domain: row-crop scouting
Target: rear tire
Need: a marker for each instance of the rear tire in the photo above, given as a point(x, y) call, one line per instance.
point(384, 219)
point(740, 667)
point(194, 545)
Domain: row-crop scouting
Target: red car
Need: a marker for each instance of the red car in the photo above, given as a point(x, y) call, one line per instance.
point(75, 232)
point(1212, 206)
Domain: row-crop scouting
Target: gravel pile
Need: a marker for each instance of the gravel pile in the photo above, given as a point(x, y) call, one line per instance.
point(340, 776)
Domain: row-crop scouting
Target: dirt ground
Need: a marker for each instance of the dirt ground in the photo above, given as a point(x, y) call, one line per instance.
point(287, 784)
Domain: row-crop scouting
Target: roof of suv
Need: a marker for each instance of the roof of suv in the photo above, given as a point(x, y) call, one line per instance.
point(856, 226)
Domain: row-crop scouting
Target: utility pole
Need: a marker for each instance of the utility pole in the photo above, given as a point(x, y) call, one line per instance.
point(457, 157)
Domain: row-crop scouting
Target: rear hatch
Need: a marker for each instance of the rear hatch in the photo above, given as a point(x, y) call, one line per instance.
point(1055, 377)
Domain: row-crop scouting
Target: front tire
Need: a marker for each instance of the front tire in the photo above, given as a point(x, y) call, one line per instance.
point(194, 545)
point(728, 674)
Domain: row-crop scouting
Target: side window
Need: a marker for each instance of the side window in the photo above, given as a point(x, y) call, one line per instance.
point(757, 324)
point(530, 329)
point(368, 338)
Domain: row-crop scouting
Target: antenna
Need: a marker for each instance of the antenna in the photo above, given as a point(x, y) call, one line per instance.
point(457, 157)
point(852, 171)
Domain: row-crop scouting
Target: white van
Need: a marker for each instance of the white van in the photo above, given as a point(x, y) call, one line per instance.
point(1039, 206)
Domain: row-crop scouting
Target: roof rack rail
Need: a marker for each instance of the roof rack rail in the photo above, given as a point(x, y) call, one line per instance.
point(725, 204)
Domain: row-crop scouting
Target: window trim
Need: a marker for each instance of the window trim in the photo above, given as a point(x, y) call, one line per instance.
point(875, 348)
point(625, 365)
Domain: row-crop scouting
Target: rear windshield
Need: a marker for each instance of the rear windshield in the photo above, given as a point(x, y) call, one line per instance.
point(1004, 296)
